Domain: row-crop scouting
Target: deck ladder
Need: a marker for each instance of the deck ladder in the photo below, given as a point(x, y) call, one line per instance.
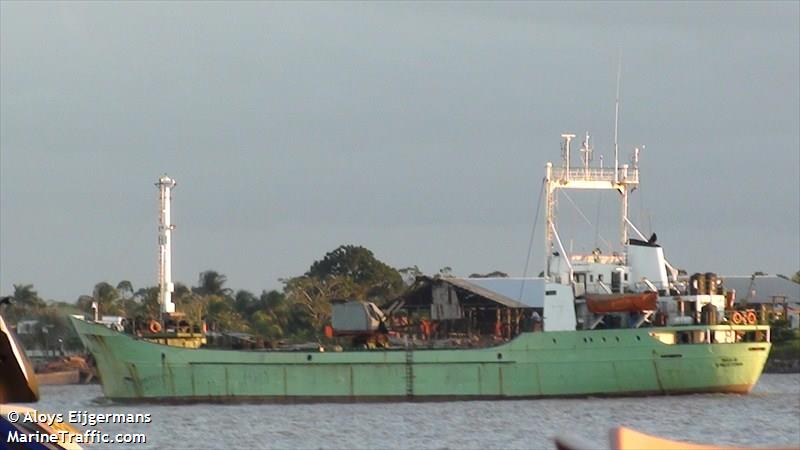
point(409, 372)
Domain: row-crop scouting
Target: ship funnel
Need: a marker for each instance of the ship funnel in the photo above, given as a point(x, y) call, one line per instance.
point(647, 263)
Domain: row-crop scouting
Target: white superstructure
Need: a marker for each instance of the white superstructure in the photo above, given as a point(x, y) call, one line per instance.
point(165, 227)
point(636, 266)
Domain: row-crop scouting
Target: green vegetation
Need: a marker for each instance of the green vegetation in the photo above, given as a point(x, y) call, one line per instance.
point(786, 350)
point(298, 312)
point(48, 320)
point(785, 341)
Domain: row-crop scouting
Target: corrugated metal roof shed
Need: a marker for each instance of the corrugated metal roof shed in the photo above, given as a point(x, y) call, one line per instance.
point(472, 285)
point(531, 289)
point(503, 291)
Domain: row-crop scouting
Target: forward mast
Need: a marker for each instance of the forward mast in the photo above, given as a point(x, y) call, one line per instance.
point(165, 227)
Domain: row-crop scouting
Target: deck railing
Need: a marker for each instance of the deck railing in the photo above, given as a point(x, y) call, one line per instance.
point(582, 258)
point(596, 174)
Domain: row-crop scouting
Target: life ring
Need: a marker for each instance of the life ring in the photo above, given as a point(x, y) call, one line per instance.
point(751, 317)
point(737, 318)
point(154, 326)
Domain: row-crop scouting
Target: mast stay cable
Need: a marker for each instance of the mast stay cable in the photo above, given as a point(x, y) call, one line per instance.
point(530, 242)
point(608, 244)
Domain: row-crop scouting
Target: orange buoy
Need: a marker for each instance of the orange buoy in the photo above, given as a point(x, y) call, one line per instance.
point(154, 326)
point(328, 330)
point(751, 317)
point(737, 318)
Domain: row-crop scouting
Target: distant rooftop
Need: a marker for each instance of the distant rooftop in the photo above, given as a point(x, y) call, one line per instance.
point(763, 288)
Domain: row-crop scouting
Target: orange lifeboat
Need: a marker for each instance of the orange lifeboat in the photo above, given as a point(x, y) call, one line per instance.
point(610, 303)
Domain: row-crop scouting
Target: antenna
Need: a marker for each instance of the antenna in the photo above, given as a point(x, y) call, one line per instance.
point(616, 121)
point(567, 139)
point(586, 149)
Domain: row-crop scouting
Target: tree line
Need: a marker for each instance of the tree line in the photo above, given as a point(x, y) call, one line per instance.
point(297, 312)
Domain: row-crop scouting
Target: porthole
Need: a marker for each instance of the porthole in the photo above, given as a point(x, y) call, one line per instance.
point(554, 341)
point(617, 338)
point(499, 356)
point(591, 339)
point(604, 339)
point(308, 357)
point(638, 338)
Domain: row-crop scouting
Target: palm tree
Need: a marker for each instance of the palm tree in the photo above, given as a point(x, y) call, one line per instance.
point(212, 283)
point(221, 314)
point(181, 291)
point(125, 289)
point(85, 303)
point(24, 302)
point(107, 298)
point(272, 315)
point(26, 297)
point(149, 305)
point(245, 302)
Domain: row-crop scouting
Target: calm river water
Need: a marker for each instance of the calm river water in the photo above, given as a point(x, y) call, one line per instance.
point(770, 415)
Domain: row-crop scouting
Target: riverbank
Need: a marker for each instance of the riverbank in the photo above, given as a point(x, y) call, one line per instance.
point(784, 357)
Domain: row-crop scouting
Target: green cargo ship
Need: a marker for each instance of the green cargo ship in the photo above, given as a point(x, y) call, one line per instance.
point(623, 323)
point(542, 364)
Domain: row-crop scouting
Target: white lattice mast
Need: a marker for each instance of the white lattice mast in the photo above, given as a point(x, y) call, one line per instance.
point(620, 178)
point(165, 227)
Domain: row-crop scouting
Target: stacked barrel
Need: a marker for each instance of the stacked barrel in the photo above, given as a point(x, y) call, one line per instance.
point(705, 284)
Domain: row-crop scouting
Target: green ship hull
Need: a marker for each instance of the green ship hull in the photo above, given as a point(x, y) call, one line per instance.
point(615, 362)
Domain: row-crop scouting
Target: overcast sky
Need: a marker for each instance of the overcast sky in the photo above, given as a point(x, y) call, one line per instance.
point(417, 130)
